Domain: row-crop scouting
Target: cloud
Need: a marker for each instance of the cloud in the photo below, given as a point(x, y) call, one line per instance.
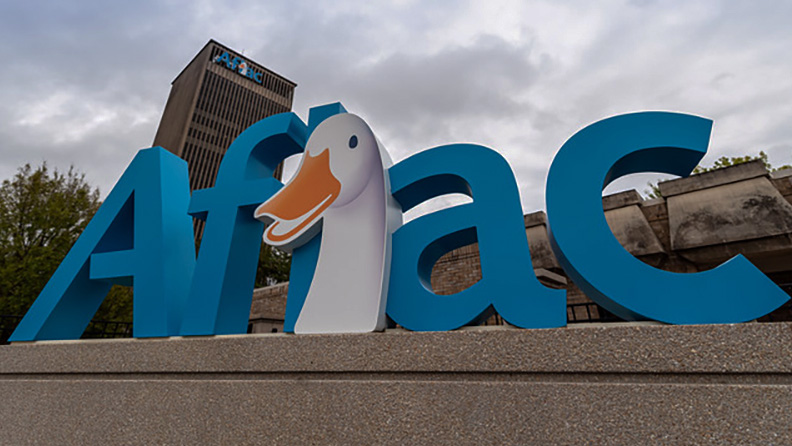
point(84, 83)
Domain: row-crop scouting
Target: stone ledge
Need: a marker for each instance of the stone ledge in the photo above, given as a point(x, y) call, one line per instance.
point(537, 218)
point(621, 199)
point(718, 177)
point(741, 348)
point(779, 174)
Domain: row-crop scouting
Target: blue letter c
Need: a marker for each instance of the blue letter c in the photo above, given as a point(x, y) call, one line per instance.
point(673, 143)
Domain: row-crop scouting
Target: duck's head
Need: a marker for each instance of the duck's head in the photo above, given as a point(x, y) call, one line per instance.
point(340, 158)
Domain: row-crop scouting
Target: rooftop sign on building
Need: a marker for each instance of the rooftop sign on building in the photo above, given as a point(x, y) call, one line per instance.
point(239, 65)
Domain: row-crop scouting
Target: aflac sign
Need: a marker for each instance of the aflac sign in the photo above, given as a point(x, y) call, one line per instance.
point(239, 65)
point(354, 261)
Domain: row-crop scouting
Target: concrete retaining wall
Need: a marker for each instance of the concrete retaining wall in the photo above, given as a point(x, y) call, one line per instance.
point(639, 384)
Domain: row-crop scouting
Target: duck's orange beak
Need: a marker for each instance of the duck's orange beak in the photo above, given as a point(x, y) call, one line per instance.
point(301, 202)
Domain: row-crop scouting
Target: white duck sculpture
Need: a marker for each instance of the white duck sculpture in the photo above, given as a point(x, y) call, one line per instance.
point(341, 188)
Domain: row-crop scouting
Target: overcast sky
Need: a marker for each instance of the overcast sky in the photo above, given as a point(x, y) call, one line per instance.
point(85, 83)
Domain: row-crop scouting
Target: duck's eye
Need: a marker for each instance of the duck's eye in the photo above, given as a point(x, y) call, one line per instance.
point(353, 141)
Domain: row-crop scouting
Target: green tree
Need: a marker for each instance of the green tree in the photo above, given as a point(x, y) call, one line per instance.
point(42, 213)
point(273, 266)
point(724, 161)
point(653, 191)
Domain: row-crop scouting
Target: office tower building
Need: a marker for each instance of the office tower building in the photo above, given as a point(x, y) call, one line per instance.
point(216, 96)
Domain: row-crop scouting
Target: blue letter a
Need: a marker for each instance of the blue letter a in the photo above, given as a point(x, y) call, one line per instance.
point(141, 236)
point(494, 220)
